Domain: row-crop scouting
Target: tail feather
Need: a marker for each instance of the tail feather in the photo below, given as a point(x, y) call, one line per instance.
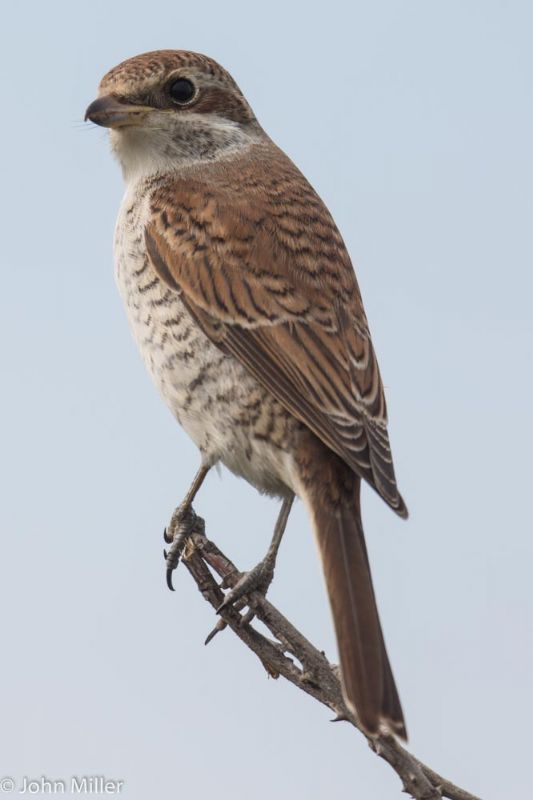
point(367, 679)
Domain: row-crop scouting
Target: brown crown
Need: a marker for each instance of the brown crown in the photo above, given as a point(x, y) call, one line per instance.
point(140, 74)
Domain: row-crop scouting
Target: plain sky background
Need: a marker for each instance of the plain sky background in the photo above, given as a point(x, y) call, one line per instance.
point(414, 122)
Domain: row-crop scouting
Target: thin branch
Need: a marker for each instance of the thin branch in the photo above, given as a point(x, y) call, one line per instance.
point(292, 656)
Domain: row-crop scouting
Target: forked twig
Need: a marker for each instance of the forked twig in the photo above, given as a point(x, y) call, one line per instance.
point(292, 656)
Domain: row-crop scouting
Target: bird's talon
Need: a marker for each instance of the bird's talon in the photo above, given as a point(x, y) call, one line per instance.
point(169, 579)
point(182, 525)
point(218, 627)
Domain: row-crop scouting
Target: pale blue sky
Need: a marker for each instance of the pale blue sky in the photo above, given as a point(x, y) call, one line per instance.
point(414, 122)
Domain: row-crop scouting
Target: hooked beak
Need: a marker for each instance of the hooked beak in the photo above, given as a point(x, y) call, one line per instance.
point(111, 112)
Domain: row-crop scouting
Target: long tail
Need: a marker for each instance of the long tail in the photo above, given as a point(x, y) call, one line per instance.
point(368, 683)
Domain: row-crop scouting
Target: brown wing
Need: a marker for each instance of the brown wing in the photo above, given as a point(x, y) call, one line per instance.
point(259, 263)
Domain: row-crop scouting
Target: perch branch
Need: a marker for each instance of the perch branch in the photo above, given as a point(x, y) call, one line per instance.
point(291, 655)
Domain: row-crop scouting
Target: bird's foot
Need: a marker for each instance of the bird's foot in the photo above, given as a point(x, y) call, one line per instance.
point(257, 580)
point(183, 522)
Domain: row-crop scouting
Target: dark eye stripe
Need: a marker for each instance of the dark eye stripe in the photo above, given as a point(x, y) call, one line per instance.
point(182, 91)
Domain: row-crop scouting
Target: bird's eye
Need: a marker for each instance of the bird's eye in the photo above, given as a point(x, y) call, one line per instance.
point(182, 91)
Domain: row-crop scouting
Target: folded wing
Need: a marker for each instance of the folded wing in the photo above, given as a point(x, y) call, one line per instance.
point(260, 265)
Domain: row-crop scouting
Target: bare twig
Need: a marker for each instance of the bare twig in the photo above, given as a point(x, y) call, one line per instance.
point(291, 655)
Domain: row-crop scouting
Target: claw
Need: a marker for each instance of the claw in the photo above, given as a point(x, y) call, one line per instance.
point(230, 601)
point(172, 557)
point(170, 570)
point(165, 553)
point(231, 598)
point(166, 536)
point(224, 604)
point(218, 627)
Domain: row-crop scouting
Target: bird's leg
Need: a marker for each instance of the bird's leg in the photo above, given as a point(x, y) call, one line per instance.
point(260, 577)
point(181, 525)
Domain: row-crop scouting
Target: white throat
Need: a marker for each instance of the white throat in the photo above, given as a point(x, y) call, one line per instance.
point(160, 149)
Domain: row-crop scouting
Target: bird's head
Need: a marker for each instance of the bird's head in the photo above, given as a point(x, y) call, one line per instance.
point(172, 108)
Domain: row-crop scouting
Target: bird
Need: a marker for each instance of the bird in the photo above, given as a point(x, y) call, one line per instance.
point(242, 297)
